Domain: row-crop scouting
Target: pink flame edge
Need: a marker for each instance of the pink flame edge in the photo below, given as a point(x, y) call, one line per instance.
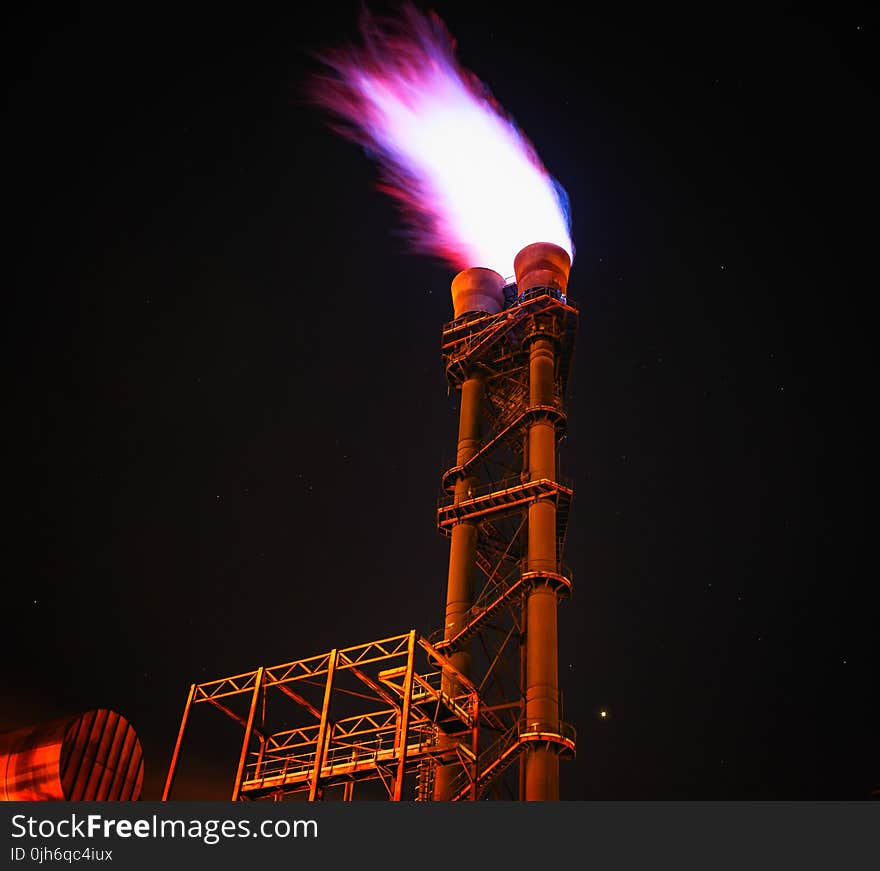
point(394, 49)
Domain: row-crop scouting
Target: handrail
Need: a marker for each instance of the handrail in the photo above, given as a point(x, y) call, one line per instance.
point(509, 744)
point(479, 611)
point(510, 483)
point(283, 765)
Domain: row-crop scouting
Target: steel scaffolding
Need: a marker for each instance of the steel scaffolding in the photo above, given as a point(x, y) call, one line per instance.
point(395, 682)
point(443, 717)
point(504, 485)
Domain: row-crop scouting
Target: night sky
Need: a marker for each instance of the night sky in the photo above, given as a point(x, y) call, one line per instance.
point(227, 415)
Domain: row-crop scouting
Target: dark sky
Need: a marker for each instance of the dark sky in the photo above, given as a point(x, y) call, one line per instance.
point(227, 415)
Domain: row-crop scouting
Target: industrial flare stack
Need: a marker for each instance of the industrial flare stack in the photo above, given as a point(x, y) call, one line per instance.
point(510, 364)
point(444, 717)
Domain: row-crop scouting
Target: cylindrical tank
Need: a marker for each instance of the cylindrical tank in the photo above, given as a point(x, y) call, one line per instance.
point(93, 756)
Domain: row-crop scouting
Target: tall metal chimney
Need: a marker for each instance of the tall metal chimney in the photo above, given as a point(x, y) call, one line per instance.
point(510, 365)
point(475, 291)
point(542, 265)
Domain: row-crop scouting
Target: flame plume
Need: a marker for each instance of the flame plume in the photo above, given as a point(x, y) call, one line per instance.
point(471, 187)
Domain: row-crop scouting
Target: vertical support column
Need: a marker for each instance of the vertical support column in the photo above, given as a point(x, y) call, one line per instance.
point(248, 732)
point(521, 762)
point(261, 753)
point(476, 292)
point(462, 554)
point(542, 671)
point(324, 728)
point(403, 725)
point(463, 546)
point(172, 768)
point(258, 768)
point(475, 745)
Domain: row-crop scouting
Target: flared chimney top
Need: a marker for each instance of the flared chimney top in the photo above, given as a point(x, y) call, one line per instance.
point(542, 264)
point(477, 290)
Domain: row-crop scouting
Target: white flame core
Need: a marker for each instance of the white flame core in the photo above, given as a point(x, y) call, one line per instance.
point(473, 185)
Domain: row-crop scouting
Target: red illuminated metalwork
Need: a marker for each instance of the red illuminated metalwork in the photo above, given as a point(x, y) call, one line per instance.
point(379, 714)
point(506, 509)
point(444, 717)
point(93, 756)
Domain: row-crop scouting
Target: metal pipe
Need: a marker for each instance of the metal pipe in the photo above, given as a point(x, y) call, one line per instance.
point(521, 762)
point(463, 543)
point(542, 680)
point(475, 290)
point(475, 745)
point(91, 756)
point(542, 265)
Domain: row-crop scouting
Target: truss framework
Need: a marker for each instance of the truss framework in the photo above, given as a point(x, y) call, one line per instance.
point(397, 683)
point(378, 711)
